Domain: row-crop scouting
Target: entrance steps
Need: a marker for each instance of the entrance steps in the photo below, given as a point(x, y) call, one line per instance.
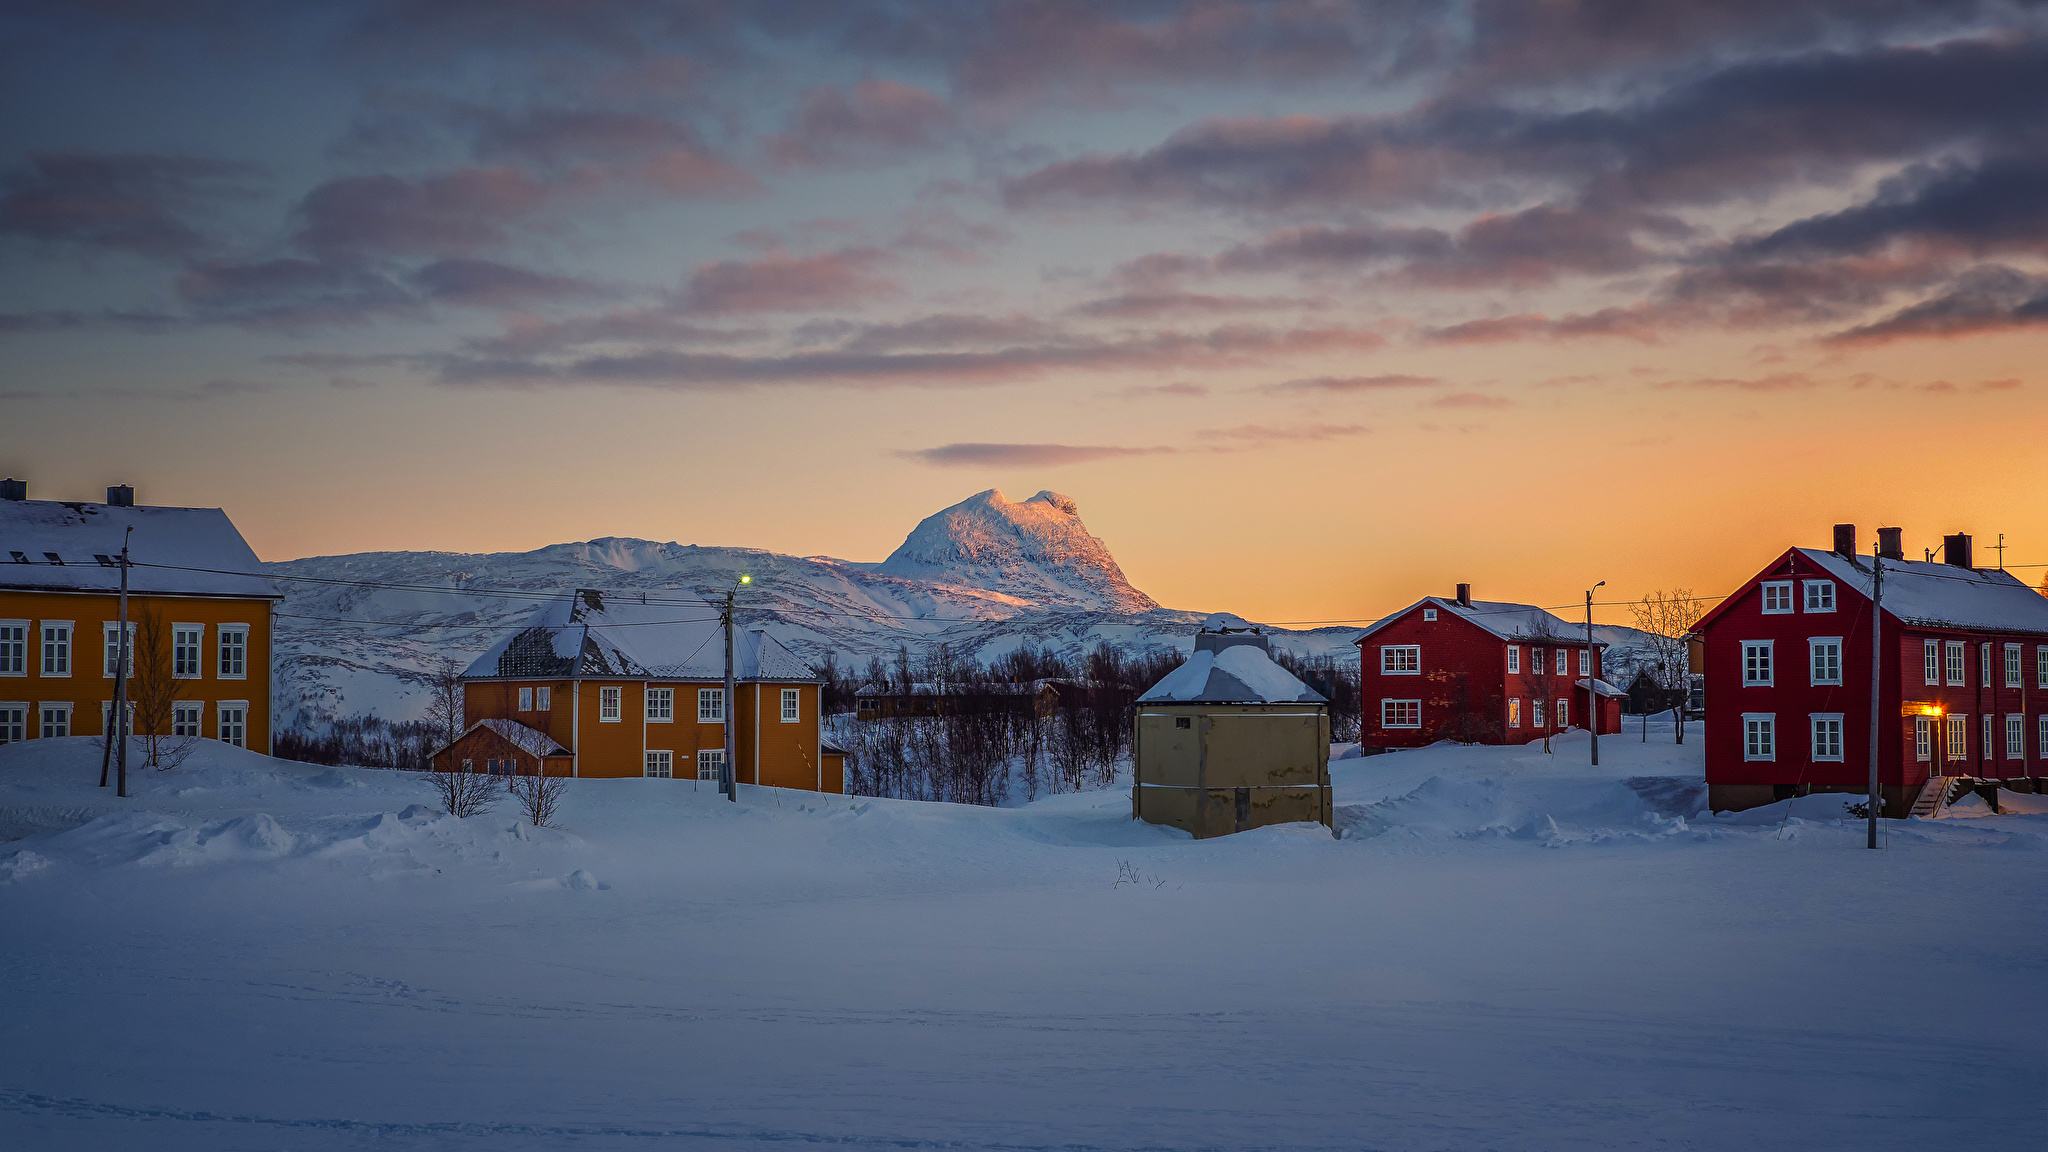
point(1933, 797)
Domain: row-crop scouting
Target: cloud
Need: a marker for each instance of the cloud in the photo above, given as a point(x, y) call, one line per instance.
point(874, 121)
point(1636, 322)
point(1471, 400)
point(948, 330)
point(1149, 305)
point(118, 202)
point(451, 213)
point(1342, 384)
point(486, 284)
point(1139, 392)
point(1253, 434)
point(1023, 455)
point(1780, 382)
point(1982, 300)
point(291, 293)
point(779, 282)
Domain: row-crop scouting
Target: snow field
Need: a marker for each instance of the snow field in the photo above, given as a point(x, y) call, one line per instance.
point(1504, 950)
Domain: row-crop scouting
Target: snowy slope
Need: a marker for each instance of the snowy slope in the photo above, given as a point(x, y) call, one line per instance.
point(1506, 951)
point(1037, 551)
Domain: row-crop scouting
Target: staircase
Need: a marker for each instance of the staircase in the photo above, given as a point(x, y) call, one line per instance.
point(1933, 797)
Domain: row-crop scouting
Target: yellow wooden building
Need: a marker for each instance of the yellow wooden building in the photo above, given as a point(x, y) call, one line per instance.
point(191, 577)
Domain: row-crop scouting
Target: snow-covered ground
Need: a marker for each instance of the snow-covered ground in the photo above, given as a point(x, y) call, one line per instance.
point(1506, 950)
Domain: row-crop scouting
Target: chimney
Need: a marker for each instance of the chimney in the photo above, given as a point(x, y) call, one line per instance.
point(1956, 550)
point(12, 489)
point(1464, 595)
point(1845, 540)
point(121, 496)
point(1888, 545)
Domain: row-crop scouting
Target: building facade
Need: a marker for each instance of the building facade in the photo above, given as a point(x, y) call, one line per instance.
point(1479, 672)
point(199, 617)
point(1962, 685)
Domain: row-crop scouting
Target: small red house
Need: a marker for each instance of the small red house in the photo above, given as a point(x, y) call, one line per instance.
point(1479, 672)
point(1962, 688)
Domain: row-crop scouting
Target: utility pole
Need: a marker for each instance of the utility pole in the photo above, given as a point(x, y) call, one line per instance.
point(1592, 681)
point(728, 777)
point(1876, 679)
point(2001, 551)
point(126, 657)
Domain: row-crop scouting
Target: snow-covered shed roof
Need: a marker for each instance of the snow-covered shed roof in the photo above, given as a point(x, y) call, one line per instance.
point(173, 551)
point(1244, 674)
point(1943, 595)
point(675, 637)
point(531, 740)
point(1601, 686)
point(1515, 622)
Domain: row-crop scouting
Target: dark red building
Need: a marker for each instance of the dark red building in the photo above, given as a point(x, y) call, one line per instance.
point(1963, 686)
point(1479, 672)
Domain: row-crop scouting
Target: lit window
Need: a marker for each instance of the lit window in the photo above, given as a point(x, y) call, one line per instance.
point(2012, 666)
point(1923, 739)
point(661, 705)
point(710, 705)
point(1959, 737)
point(1930, 659)
point(1514, 658)
point(1820, 595)
point(791, 705)
point(13, 723)
point(185, 719)
point(2015, 737)
point(56, 647)
point(608, 703)
point(1564, 712)
point(1759, 736)
point(709, 761)
point(186, 640)
point(1777, 597)
point(1826, 659)
point(661, 764)
point(13, 647)
point(1400, 713)
point(234, 723)
point(234, 652)
point(1514, 713)
point(1827, 736)
point(1957, 669)
point(1401, 659)
point(543, 699)
point(1756, 662)
point(526, 699)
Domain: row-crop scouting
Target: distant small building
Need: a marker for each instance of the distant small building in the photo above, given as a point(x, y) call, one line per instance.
point(1230, 740)
point(504, 748)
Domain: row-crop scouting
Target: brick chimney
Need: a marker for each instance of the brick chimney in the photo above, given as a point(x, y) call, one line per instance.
point(1956, 550)
point(1888, 545)
point(121, 496)
point(1845, 540)
point(12, 489)
point(1464, 595)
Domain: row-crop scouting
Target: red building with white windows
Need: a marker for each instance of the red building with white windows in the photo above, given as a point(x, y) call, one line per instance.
point(1963, 685)
point(1479, 672)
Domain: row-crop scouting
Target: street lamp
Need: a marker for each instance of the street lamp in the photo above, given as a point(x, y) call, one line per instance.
point(728, 776)
point(1592, 680)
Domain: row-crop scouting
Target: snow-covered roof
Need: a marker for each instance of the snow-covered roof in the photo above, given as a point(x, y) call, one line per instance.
point(1516, 622)
point(173, 551)
point(531, 740)
point(1944, 595)
point(1602, 686)
point(1240, 675)
point(665, 634)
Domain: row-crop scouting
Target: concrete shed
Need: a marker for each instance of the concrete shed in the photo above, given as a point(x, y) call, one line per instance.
point(1230, 740)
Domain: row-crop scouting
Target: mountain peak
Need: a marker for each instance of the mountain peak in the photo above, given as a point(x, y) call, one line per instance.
point(1037, 549)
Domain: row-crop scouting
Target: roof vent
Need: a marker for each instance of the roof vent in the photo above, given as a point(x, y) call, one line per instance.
point(1464, 595)
point(12, 489)
point(1845, 540)
point(1956, 550)
point(121, 496)
point(1888, 545)
point(1225, 630)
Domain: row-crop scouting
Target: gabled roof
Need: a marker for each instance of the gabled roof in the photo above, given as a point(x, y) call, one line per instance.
point(1239, 675)
point(173, 551)
point(678, 637)
point(1936, 595)
point(531, 740)
point(1506, 621)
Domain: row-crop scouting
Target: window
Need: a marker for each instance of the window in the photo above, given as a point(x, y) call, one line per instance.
point(2041, 673)
point(1985, 748)
point(1183, 722)
point(1959, 737)
point(1536, 713)
point(709, 761)
point(234, 723)
point(13, 647)
point(543, 699)
point(1930, 659)
point(526, 699)
point(2015, 737)
point(792, 704)
point(113, 649)
point(234, 652)
point(1564, 655)
point(1759, 736)
point(1825, 654)
point(1564, 712)
point(56, 720)
point(56, 647)
point(1429, 614)
point(2041, 737)
point(1514, 657)
point(608, 704)
point(185, 719)
point(469, 765)
point(1585, 662)
point(1827, 735)
point(1514, 713)
point(501, 767)
point(1777, 597)
point(1820, 595)
point(1957, 670)
point(710, 705)
point(1756, 662)
point(13, 723)
point(1984, 664)
point(2012, 666)
point(107, 709)
point(1400, 713)
point(661, 705)
point(1401, 660)
point(661, 764)
point(1923, 738)
point(185, 642)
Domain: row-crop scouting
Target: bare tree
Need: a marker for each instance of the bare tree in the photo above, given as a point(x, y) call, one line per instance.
point(1667, 618)
point(463, 793)
point(154, 691)
point(1544, 644)
point(444, 698)
point(538, 796)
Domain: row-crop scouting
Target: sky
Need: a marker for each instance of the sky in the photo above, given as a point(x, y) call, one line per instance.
point(1313, 307)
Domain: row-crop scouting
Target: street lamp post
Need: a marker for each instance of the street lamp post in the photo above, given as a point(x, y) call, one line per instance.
point(728, 778)
point(1592, 680)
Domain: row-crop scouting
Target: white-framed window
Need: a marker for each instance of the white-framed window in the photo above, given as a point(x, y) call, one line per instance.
point(1564, 712)
point(56, 647)
point(185, 718)
point(1400, 659)
point(2041, 673)
point(709, 761)
point(1820, 595)
point(1923, 738)
point(1984, 663)
point(1987, 746)
point(543, 699)
point(2015, 737)
point(661, 764)
point(186, 642)
point(1429, 614)
point(2041, 736)
point(1756, 663)
point(1514, 712)
point(2012, 666)
point(1827, 735)
point(13, 722)
point(107, 711)
point(13, 647)
point(56, 719)
point(661, 705)
point(1930, 660)
point(232, 661)
point(1400, 713)
point(1958, 669)
point(1958, 738)
point(233, 722)
point(1585, 662)
point(1777, 597)
point(710, 705)
point(112, 648)
point(1564, 656)
point(1514, 658)
point(1536, 713)
point(792, 705)
point(1759, 736)
point(1824, 659)
point(526, 699)
point(608, 703)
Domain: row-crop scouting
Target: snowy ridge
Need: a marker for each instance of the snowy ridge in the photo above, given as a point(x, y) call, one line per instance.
point(1037, 550)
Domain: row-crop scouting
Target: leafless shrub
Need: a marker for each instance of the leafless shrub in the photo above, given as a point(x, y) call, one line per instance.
point(465, 794)
point(1668, 618)
point(538, 796)
point(153, 689)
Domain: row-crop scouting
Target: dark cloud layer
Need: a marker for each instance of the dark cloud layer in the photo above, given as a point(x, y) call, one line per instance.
point(127, 203)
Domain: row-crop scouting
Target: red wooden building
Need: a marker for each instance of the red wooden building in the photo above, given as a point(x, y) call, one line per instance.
point(1963, 686)
point(1480, 672)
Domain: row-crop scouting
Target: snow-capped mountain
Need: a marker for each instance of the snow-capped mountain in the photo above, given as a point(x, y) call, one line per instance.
point(1037, 551)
